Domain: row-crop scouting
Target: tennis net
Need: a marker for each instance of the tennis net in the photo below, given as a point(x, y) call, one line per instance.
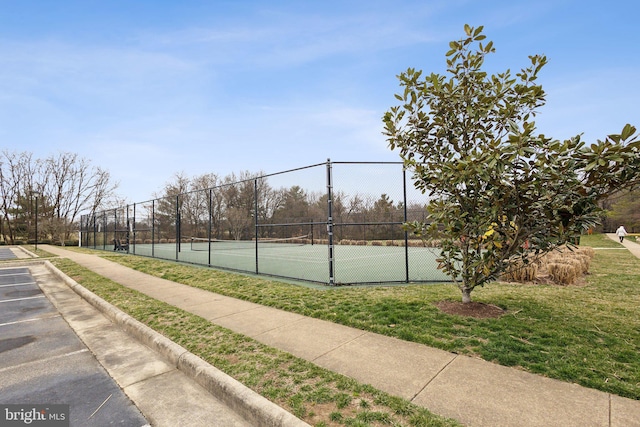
point(204, 244)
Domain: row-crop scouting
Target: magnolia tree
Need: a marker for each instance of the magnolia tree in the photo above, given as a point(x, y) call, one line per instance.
point(498, 191)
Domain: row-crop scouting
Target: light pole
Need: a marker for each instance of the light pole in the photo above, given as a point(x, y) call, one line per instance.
point(36, 194)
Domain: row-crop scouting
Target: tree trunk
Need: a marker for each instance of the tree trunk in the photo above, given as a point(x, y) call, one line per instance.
point(466, 295)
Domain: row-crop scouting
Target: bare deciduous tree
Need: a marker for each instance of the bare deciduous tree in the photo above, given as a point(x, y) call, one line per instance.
point(64, 185)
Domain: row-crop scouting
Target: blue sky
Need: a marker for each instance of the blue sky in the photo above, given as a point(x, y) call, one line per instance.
point(148, 89)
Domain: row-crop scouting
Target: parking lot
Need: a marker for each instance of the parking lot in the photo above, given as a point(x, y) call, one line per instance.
point(43, 362)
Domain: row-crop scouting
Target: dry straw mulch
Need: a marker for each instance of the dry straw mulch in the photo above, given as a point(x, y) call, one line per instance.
point(564, 266)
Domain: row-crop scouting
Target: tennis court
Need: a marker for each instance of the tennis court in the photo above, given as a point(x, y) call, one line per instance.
point(308, 262)
point(312, 224)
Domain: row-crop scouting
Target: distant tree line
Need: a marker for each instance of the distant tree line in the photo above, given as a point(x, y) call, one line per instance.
point(65, 185)
point(281, 212)
point(623, 208)
point(58, 188)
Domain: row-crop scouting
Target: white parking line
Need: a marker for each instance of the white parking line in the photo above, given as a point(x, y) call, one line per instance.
point(21, 299)
point(48, 359)
point(29, 320)
point(18, 284)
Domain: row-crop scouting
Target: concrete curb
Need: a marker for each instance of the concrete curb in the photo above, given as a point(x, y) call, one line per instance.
point(24, 262)
point(253, 407)
point(26, 251)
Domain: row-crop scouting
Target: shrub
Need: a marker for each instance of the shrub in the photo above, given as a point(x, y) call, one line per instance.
point(563, 266)
point(521, 273)
point(562, 274)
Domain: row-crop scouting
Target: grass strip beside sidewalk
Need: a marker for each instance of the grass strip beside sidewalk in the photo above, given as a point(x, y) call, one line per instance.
point(588, 333)
point(314, 394)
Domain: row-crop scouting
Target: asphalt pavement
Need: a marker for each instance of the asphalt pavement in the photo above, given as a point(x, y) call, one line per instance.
point(43, 362)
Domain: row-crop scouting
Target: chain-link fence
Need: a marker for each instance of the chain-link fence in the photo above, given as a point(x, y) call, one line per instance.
point(333, 223)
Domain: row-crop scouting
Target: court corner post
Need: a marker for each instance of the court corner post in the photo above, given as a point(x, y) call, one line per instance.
point(330, 223)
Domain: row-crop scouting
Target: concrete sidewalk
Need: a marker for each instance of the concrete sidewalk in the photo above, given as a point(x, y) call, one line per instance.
point(475, 392)
point(632, 246)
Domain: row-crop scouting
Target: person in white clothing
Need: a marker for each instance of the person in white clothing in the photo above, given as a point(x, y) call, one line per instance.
point(621, 232)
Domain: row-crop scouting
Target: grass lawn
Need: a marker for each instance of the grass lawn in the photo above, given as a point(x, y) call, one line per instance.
point(587, 334)
point(318, 396)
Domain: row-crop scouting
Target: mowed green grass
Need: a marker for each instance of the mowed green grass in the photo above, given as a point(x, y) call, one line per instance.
point(588, 333)
point(316, 395)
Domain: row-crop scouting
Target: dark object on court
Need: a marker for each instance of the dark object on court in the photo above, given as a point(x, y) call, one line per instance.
point(118, 246)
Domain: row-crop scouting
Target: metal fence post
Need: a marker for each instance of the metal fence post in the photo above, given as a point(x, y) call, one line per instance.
point(330, 223)
point(406, 235)
point(126, 225)
point(209, 228)
point(177, 227)
point(255, 214)
point(134, 228)
point(153, 227)
point(115, 226)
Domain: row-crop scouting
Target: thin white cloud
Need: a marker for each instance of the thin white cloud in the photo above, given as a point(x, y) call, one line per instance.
point(277, 85)
point(284, 39)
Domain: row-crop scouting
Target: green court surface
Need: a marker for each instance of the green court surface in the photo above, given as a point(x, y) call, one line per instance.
point(352, 264)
